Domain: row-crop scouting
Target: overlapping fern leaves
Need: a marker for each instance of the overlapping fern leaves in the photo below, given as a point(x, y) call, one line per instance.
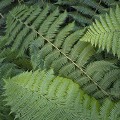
point(3, 5)
point(50, 39)
point(85, 11)
point(7, 70)
point(57, 37)
point(58, 47)
point(105, 33)
point(54, 98)
point(107, 75)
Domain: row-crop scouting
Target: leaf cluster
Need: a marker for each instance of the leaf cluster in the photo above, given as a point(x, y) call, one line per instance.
point(59, 60)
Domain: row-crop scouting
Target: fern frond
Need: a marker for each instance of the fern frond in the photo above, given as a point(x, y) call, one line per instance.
point(115, 112)
point(4, 3)
point(49, 36)
point(41, 95)
point(23, 34)
point(42, 3)
point(53, 49)
point(84, 11)
point(18, 32)
point(7, 70)
point(80, 18)
point(45, 56)
point(5, 6)
point(108, 1)
point(105, 33)
point(106, 74)
point(11, 57)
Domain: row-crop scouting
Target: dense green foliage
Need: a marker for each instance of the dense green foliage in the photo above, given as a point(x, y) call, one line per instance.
point(54, 98)
point(59, 59)
point(105, 32)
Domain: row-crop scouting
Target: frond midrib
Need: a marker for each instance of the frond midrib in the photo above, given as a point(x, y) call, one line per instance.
point(80, 68)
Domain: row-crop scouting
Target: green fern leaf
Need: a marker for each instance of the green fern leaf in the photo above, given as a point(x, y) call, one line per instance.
point(59, 48)
point(85, 11)
point(41, 95)
point(21, 35)
point(106, 74)
point(7, 70)
point(105, 32)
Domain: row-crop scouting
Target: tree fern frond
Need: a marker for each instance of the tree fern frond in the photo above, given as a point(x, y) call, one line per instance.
point(45, 26)
point(68, 2)
point(17, 35)
point(106, 74)
point(55, 27)
point(105, 32)
point(7, 70)
point(93, 3)
point(23, 62)
point(4, 3)
point(64, 32)
point(4, 7)
point(84, 11)
point(105, 109)
point(108, 1)
point(115, 112)
point(41, 95)
point(80, 18)
point(22, 36)
point(67, 58)
point(41, 3)
point(47, 56)
point(66, 76)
